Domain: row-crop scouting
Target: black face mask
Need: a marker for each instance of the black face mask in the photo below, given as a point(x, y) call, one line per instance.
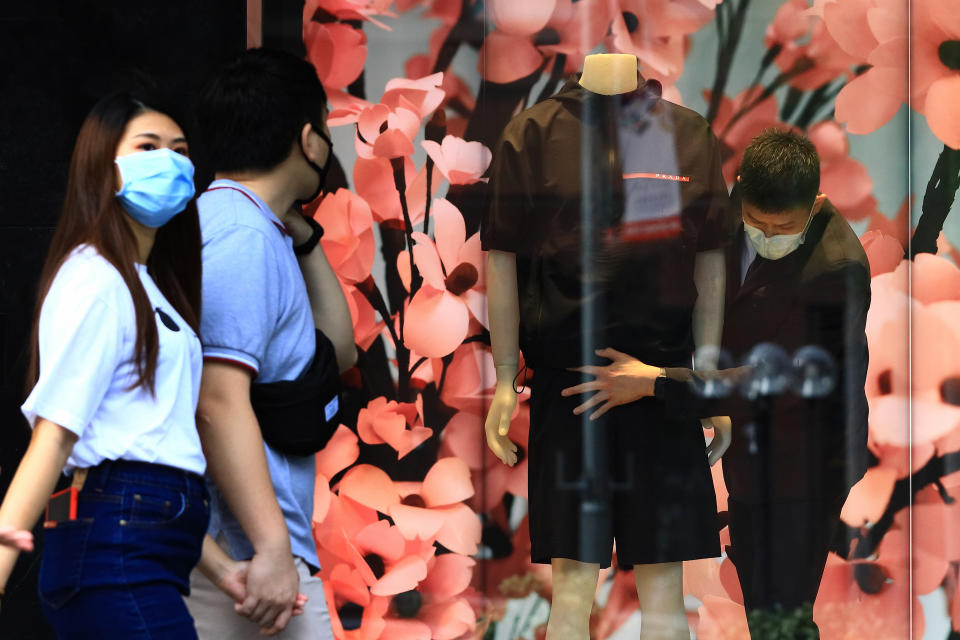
point(321, 171)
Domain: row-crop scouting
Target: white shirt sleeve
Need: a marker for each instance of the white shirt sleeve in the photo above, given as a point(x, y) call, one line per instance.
point(81, 338)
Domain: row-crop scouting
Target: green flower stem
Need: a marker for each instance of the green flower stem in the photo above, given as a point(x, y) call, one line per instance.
point(937, 202)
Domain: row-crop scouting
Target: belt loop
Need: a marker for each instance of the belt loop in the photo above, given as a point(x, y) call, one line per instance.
point(79, 478)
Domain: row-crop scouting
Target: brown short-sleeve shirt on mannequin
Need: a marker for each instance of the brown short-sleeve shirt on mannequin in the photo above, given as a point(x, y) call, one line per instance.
point(659, 165)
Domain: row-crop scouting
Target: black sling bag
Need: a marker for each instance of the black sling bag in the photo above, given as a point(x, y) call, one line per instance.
point(298, 417)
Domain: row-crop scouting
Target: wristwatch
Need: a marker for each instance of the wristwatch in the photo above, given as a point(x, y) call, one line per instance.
point(311, 242)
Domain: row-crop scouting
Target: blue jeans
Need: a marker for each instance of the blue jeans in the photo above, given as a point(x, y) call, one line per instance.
point(120, 568)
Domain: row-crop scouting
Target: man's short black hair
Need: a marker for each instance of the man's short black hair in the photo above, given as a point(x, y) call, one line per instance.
point(780, 171)
point(253, 109)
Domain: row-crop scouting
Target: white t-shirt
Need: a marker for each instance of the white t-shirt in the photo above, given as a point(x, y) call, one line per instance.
point(87, 334)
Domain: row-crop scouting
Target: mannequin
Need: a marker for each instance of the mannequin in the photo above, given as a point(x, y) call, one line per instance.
point(659, 586)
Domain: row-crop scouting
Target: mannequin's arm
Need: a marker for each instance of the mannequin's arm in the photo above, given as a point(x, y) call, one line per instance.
point(504, 311)
point(709, 275)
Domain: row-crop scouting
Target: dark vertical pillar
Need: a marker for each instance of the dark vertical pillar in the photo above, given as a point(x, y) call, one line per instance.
point(56, 59)
point(283, 26)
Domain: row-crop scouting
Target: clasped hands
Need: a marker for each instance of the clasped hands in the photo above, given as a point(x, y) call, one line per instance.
point(624, 380)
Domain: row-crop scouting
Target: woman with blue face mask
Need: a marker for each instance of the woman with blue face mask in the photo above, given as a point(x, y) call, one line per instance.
point(113, 381)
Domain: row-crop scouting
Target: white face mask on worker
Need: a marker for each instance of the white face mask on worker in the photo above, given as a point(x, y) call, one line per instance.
point(778, 246)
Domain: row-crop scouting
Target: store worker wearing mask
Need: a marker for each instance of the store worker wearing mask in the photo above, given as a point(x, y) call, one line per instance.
point(796, 276)
point(276, 332)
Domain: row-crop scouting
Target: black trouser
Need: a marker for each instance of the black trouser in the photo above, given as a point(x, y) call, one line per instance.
point(780, 549)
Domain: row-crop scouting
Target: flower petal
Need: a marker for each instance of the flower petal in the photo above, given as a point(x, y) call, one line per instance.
point(447, 482)
point(504, 58)
point(403, 576)
point(370, 487)
point(450, 231)
point(449, 620)
point(461, 529)
point(869, 101)
point(869, 498)
point(382, 539)
point(426, 256)
point(520, 18)
point(436, 323)
point(448, 576)
point(415, 522)
point(339, 453)
point(940, 108)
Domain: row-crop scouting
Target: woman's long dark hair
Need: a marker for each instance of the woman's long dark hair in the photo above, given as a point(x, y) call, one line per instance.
point(92, 215)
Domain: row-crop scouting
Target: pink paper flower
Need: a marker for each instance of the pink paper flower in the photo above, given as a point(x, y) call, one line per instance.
point(338, 52)
point(844, 179)
point(843, 611)
point(579, 28)
point(431, 510)
point(398, 424)
point(386, 133)
point(884, 252)
point(457, 93)
point(460, 162)
point(348, 234)
point(366, 323)
point(794, 23)
point(350, 10)
point(505, 58)
point(735, 137)
point(373, 181)
point(509, 52)
point(520, 18)
point(722, 619)
point(659, 32)
point(424, 95)
point(470, 378)
point(935, 79)
point(370, 570)
point(868, 499)
point(438, 316)
point(872, 32)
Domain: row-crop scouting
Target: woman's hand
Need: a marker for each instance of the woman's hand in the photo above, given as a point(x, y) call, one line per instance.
point(19, 539)
point(625, 380)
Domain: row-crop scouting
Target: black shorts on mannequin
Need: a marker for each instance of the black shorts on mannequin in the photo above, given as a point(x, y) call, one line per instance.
point(669, 511)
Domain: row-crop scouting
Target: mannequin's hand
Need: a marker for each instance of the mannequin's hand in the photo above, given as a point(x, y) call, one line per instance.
point(497, 425)
point(624, 380)
point(722, 434)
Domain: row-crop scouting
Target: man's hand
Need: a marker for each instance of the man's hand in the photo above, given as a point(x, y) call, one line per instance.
point(296, 226)
point(272, 587)
point(233, 581)
point(497, 424)
point(722, 434)
point(625, 380)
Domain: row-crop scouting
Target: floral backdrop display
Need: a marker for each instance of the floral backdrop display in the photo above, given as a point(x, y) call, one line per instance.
point(421, 532)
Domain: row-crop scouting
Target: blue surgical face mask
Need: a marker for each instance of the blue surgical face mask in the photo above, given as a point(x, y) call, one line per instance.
point(157, 185)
